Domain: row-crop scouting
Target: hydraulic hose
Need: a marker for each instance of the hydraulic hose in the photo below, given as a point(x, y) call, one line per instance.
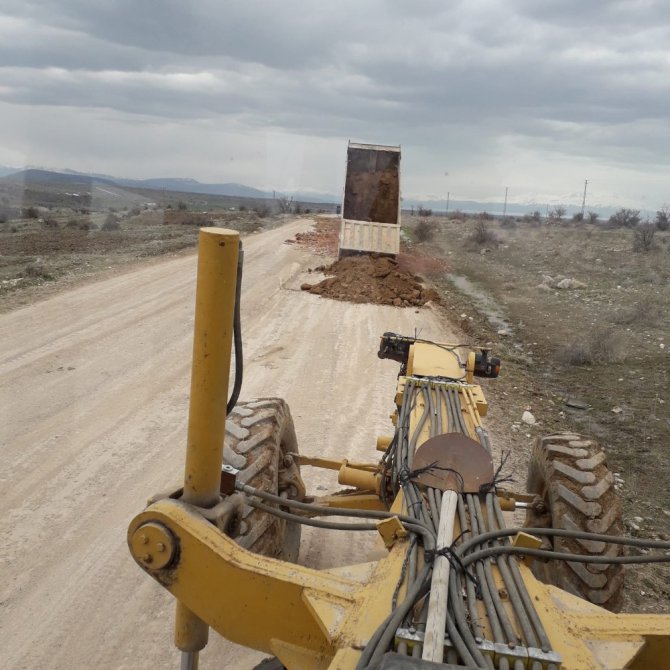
point(237, 336)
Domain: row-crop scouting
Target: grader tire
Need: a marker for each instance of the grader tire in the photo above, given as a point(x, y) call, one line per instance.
point(569, 473)
point(259, 440)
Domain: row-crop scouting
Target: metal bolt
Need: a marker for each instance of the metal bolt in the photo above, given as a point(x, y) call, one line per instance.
point(160, 546)
point(144, 539)
point(147, 558)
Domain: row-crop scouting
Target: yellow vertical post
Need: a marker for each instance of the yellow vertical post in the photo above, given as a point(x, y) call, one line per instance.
point(212, 340)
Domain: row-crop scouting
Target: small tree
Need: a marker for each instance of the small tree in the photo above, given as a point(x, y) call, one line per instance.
point(592, 217)
point(424, 211)
point(663, 218)
point(182, 206)
point(577, 217)
point(284, 204)
point(423, 231)
point(557, 213)
point(643, 237)
point(627, 218)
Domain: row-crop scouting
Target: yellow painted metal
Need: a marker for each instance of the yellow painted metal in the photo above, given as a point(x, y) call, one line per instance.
point(438, 361)
point(589, 637)
point(332, 464)
point(361, 479)
point(383, 442)
point(277, 606)
point(154, 545)
point(527, 541)
point(391, 530)
point(352, 501)
point(470, 367)
point(212, 340)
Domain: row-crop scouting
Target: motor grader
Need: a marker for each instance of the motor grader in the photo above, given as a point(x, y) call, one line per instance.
point(461, 584)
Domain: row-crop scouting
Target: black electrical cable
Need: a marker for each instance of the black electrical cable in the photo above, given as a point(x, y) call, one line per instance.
point(317, 523)
point(237, 335)
point(414, 525)
point(559, 532)
point(562, 556)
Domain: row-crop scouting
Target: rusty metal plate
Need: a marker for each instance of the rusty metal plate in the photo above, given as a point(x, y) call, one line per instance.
point(458, 453)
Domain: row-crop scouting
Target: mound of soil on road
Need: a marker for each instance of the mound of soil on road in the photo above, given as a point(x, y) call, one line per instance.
point(371, 279)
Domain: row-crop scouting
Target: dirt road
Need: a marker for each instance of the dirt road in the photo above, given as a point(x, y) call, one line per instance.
point(93, 402)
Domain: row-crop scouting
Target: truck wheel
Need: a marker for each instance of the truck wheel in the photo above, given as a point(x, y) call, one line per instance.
point(260, 439)
point(569, 473)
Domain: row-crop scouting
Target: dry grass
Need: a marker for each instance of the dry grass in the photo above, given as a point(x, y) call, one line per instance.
point(604, 345)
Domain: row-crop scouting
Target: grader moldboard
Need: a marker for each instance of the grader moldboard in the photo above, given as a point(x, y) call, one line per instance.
point(456, 588)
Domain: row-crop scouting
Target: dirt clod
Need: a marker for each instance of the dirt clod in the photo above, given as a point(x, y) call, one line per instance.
point(372, 279)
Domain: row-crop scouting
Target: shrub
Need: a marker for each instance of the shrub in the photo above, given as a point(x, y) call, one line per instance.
point(50, 222)
point(663, 218)
point(592, 217)
point(111, 223)
point(31, 213)
point(643, 237)
point(481, 235)
point(510, 224)
point(457, 215)
point(36, 271)
point(182, 206)
point(262, 211)
point(626, 218)
point(601, 345)
point(425, 212)
point(577, 217)
point(242, 208)
point(423, 231)
point(485, 216)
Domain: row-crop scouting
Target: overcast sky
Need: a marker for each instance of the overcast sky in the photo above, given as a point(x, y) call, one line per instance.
point(537, 95)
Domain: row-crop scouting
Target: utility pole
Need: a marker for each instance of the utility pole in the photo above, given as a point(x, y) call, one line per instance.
point(586, 181)
point(446, 213)
point(505, 205)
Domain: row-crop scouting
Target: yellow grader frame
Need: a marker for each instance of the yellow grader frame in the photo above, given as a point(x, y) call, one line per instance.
point(380, 614)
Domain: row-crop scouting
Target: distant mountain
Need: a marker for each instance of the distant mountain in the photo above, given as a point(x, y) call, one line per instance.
point(181, 185)
point(194, 186)
point(37, 176)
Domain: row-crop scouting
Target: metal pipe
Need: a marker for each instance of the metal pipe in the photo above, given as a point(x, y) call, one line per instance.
point(212, 340)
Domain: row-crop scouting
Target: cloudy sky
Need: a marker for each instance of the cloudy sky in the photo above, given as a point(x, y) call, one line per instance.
point(537, 95)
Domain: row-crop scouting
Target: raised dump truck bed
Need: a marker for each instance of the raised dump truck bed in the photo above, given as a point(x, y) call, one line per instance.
point(371, 203)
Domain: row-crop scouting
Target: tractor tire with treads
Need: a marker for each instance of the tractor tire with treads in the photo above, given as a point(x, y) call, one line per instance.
point(569, 472)
point(259, 440)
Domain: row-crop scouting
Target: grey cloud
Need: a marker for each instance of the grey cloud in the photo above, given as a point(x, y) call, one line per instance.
point(462, 79)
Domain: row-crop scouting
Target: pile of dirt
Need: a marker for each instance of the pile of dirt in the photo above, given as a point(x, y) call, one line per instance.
point(323, 240)
point(371, 279)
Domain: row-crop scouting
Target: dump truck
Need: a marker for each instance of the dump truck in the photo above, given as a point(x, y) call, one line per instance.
point(371, 200)
point(462, 583)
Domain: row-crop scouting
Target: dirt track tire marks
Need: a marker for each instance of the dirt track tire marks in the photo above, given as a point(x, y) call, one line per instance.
point(569, 472)
point(259, 438)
